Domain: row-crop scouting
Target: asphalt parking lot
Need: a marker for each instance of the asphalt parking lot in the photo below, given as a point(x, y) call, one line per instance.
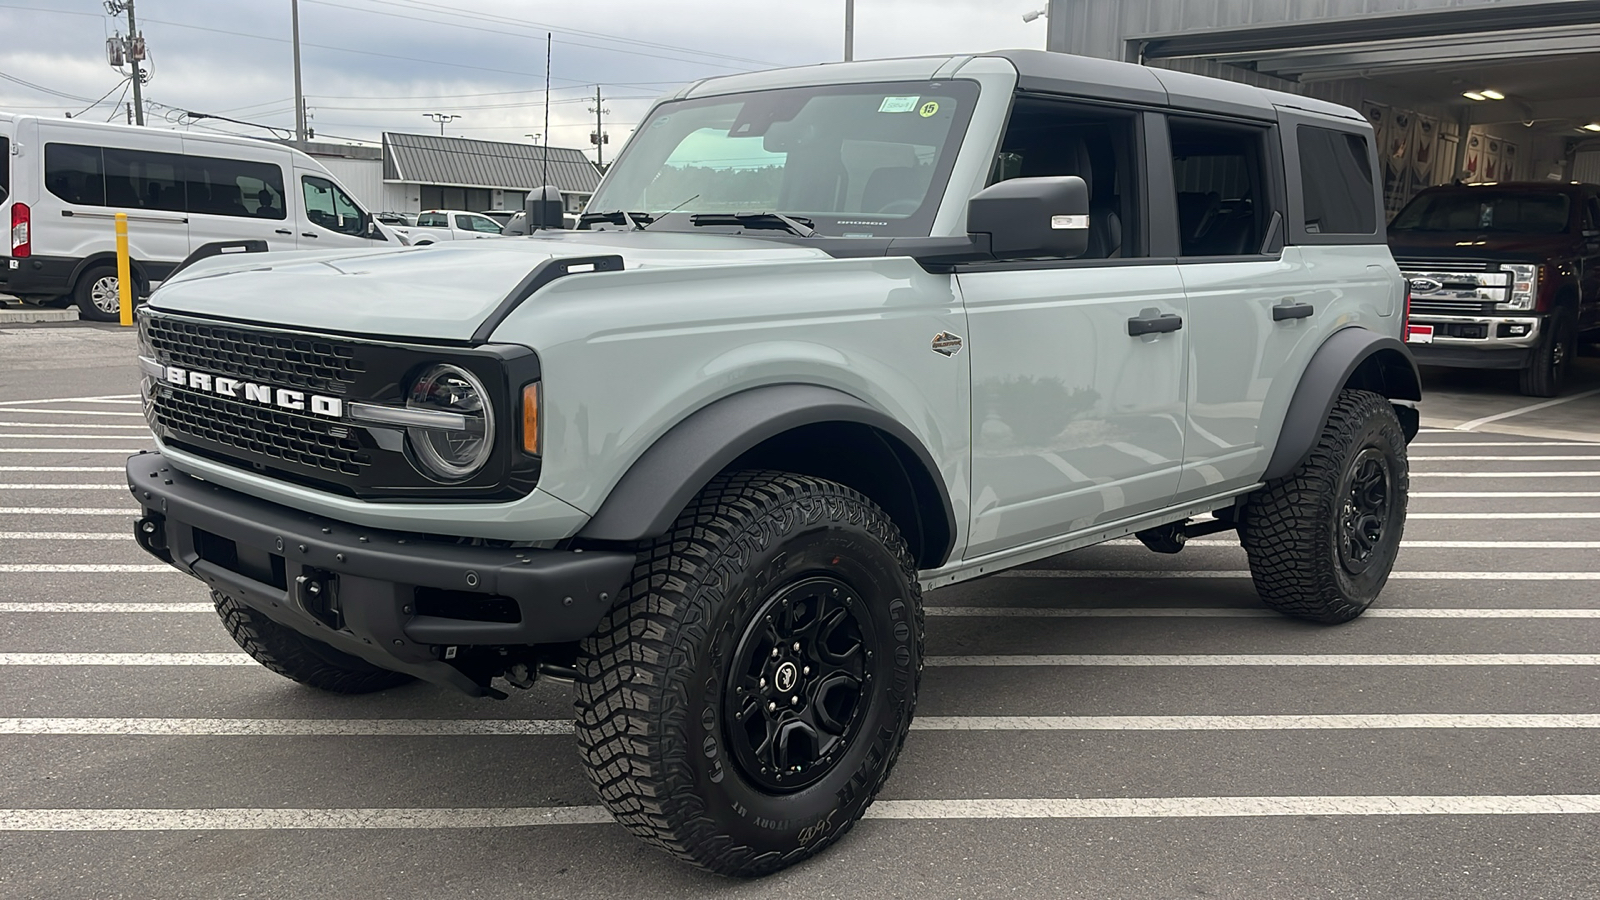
point(1107, 724)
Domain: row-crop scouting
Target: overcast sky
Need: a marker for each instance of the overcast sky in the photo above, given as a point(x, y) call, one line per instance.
point(379, 65)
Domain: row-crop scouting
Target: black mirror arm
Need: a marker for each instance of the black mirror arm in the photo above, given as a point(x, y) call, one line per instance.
point(942, 255)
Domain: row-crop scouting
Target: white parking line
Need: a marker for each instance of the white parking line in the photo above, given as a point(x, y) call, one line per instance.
point(84, 568)
point(106, 398)
point(219, 727)
point(72, 412)
point(63, 486)
point(64, 536)
point(1503, 515)
point(1240, 573)
point(1266, 659)
point(1593, 474)
point(123, 437)
point(1055, 660)
point(74, 451)
point(1484, 443)
point(258, 819)
point(1416, 545)
point(62, 469)
point(1479, 423)
point(1467, 458)
point(68, 510)
point(91, 606)
point(1185, 612)
point(1506, 495)
point(96, 426)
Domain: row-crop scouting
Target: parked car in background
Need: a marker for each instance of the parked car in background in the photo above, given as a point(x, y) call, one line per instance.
point(1502, 276)
point(500, 215)
point(69, 178)
point(451, 225)
point(396, 219)
point(518, 225)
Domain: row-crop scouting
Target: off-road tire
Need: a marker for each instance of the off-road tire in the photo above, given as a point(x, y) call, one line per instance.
point(1291, 528)
point(656, 726)
point(1548, 365)
point(94, 284)
point(297, 657)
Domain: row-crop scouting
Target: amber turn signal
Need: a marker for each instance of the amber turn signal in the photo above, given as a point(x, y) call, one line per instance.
point(530, 418)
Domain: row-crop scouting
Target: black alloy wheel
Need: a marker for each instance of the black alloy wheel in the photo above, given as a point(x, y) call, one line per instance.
point(1364, 517)
point(797, 683)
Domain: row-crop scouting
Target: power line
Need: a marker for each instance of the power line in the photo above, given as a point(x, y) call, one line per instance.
point(102, 98)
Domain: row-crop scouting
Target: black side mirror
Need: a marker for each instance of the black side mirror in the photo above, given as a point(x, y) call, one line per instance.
point(1030, 218)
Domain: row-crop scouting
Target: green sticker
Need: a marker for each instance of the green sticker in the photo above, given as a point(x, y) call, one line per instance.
point(898, 104)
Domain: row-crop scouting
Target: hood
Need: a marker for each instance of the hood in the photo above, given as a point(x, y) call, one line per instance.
point(1476, 245)
point(440, 292)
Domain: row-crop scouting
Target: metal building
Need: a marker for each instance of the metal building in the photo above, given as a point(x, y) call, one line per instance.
point(1471, 89)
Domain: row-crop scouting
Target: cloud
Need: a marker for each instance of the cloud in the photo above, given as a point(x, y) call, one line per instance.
point(376, 65)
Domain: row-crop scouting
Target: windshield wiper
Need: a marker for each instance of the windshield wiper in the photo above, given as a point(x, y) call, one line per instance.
point(634, 220)
point(792, 224)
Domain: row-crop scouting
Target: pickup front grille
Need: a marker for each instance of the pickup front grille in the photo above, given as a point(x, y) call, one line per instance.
point(1464, 287)
point(260, 431)
point(274, 357)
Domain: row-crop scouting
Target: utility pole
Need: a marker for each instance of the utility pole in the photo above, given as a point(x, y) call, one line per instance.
point(134, 52)
point(849, 30)
point(599, 139)
point(441, 118)
point(299, 94)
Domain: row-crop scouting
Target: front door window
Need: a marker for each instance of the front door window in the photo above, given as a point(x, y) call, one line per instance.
point(329, 207)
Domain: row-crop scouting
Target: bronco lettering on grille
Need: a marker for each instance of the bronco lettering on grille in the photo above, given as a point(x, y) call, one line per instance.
point(265, 394)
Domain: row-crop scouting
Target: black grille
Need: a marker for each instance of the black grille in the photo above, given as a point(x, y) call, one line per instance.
point(315, 363)
point(284, 436)
point(1451, 307)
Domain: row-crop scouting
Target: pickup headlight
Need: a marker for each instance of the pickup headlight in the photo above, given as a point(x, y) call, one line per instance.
point(447, 449)
point(1524, 286)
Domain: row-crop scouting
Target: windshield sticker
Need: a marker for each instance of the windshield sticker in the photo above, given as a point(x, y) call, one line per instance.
point(898, 104)
point(928, 109)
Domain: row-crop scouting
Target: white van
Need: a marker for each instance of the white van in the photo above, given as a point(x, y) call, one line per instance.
point(181, 191)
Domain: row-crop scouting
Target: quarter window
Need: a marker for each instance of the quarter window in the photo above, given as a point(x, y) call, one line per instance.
point(1336, 182)
point(331, 208)
point(1222, 196)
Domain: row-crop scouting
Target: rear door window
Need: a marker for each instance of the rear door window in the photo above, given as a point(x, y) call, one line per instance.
point(1336, 182)
point(75, 174)
point(1222, 194)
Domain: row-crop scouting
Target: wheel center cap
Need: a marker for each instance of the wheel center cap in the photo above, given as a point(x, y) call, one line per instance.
point(785, 678)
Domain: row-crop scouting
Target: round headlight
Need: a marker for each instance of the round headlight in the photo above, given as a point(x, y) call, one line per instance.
point(451, 453)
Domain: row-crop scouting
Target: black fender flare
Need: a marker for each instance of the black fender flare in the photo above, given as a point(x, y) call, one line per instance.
point(660, 484)
point(1329, 372)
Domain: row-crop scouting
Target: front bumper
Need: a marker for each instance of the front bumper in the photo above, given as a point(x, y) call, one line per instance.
point(398, 600)
point(1479, 342)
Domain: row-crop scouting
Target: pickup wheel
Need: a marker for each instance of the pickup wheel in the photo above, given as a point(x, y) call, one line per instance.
point(297, 657)
point(1323, 539)
point(1547, 369)
point(745, 700)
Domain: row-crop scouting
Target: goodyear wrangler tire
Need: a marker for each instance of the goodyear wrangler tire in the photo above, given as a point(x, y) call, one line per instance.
point(297, 657)
point(745, 700)
point(1322, 540)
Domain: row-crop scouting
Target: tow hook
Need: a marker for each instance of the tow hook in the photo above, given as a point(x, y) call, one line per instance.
point(150, 532)
point(317, 592)
point(1170, 538)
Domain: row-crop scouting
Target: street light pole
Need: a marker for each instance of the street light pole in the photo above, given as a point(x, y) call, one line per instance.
point(441, 118)
point(299, 95)
point(849, 30)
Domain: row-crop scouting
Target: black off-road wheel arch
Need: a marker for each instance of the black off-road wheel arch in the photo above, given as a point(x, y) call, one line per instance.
point(657, 693)
point(1323, 539)
point(299, 658)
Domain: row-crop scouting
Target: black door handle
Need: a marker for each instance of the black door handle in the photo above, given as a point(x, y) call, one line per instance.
point(1292, 311)
point(282, 231)
point(310, 234)
point(1154, 324)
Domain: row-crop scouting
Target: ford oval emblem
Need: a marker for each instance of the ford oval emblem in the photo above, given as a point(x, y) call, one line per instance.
point(1425, 285)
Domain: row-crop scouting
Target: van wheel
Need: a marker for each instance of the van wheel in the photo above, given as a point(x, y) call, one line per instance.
point(745, 700)
point(1323, 539)
point(97, 297)
point(1547, 369)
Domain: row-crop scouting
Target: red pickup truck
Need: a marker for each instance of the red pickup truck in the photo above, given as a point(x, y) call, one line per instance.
point(1502, 276)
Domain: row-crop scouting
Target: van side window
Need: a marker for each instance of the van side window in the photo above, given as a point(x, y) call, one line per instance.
point(136, 179)
point(1046, 137)
point(331, 208)
point(5, 168)
point(75, 174)
point(235, 187)
point(1336, 181)
point(1220, 174)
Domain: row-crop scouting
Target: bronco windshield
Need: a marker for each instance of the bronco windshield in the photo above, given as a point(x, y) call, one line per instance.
point(857, 160)
point(1486, 210)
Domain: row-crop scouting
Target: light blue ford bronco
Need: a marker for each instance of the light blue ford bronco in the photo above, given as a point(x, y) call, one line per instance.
point(827, 337)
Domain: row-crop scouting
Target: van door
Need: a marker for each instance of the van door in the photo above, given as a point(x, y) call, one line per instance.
point(1077, 365)
point(329, 217)
point(237, 192)
point(87, 181)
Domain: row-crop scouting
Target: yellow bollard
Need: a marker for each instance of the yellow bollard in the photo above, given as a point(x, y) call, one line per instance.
point(124, 273)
